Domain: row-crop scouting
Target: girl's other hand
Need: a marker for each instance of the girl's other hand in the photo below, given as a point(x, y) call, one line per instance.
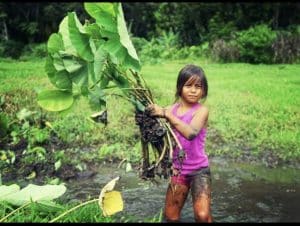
point(156, 110)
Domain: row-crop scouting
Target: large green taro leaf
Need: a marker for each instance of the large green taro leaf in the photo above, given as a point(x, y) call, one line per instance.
point(35, 193)
point(73, 61)
point(55, 43)
point(79, 38)
point(55, 100)
point(60, 79)
point(104, 13)
point(8, 189)
point(64, 31)
point(110, 18)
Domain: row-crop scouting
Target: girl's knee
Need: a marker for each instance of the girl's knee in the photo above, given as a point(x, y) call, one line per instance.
point(170, 216)
point(171, 220)
point(202, 216)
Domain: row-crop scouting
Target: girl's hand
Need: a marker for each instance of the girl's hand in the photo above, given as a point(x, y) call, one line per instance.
point(156, 110)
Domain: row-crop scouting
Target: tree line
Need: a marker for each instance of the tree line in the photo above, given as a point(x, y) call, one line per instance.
point(228, 27)
point(195, 22)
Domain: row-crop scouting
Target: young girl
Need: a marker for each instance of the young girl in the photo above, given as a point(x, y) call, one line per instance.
point(190, 166)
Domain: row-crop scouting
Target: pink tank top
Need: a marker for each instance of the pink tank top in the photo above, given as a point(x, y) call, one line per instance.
point(195, 156)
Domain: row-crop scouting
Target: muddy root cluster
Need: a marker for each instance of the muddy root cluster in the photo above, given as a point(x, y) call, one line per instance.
point(150, 128)
point(152, 132)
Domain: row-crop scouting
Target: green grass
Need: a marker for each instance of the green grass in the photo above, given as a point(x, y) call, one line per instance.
point(89, 213)
point(252, 107)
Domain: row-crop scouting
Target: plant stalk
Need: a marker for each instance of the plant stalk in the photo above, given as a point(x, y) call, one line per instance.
point(72, 209)
point(12, 212)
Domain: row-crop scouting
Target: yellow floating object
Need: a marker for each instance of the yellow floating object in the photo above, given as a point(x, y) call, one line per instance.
point(112, 203)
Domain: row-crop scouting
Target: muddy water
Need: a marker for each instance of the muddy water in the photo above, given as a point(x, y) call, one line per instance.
point(240, 193)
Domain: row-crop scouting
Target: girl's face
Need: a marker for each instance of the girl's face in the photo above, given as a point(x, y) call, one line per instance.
point(192, 90)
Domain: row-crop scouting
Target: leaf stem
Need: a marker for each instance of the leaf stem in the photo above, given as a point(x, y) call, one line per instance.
point(162, 154)
point(72, 209)
point(11, 213)
point(171, 146)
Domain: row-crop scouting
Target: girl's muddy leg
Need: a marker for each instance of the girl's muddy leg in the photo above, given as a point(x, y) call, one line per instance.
point(201, 195)
point(202, 210)
point(175, 199)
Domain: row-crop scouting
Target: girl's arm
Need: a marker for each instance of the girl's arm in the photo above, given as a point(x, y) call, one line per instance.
point(189, 131)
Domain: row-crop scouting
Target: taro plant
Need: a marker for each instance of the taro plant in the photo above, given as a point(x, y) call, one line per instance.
point(96, 60)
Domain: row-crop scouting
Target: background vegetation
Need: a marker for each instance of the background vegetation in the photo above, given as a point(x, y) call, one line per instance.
point(226, 32)
point(254, 115)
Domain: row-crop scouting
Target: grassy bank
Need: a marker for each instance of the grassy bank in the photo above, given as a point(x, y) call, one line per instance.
point(69, 213)
point(254, 109)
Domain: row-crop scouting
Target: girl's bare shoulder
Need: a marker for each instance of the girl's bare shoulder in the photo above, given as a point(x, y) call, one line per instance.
point(203, 110)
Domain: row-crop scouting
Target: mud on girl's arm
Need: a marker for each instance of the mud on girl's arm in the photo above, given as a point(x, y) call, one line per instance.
point(189, 131)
